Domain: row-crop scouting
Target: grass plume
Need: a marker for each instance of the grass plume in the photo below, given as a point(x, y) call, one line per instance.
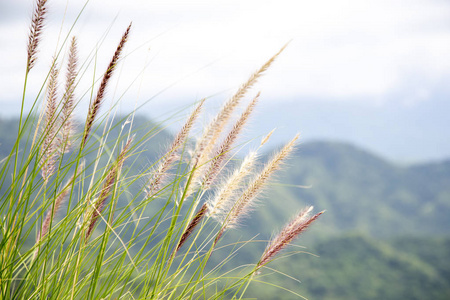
point(171, 156)
point(94, 107)
point(212, 132)
point(291, 231)
point(219, 158)
point(37, 24)
point(66, 116)
point(194, 222)
point(48, 252)
point(49, 145)
point(225, 196)
point(246, 200)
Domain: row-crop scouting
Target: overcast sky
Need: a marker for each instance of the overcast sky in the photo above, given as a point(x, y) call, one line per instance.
point(372, 52)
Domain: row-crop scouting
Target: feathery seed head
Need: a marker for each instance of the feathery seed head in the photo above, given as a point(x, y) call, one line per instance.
point(49, 144)
point(246, 201)
point(204, 147)
point(66, 116)
point(214, 129)
point(219, 158)
point(95, 105)
point(194, 222)
point(287, 235)
point(223, 200)
point(160, 174)
point(267, 137)
point(37, 25)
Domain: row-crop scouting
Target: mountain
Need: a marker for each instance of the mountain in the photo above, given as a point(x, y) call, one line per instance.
point(385, 233)
point(353, 267)
point(362, 192)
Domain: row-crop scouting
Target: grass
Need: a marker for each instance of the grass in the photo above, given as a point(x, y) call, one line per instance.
point(78, 220)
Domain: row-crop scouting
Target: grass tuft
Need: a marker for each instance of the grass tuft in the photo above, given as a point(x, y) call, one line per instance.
point(100, 221)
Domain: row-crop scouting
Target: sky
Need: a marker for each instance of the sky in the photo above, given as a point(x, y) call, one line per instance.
point(373, 73)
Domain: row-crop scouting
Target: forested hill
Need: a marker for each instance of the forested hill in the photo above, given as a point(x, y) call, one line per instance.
point(385, 233)
point(360, 191)
point(364, 193)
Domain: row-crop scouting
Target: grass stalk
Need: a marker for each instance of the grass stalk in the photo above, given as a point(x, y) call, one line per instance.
point(107, 219)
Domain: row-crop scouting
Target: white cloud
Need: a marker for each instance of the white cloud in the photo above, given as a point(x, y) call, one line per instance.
point(340, 50)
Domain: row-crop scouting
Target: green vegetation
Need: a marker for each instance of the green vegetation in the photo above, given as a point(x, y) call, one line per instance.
point(364, 193)
point(382, 258)
point(108, 209)
point(356, 267)
point(102, 209)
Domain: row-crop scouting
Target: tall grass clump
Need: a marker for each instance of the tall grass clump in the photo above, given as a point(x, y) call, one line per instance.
point(82, 215)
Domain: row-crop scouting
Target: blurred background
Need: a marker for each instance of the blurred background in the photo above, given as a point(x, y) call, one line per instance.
point(364, 82)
